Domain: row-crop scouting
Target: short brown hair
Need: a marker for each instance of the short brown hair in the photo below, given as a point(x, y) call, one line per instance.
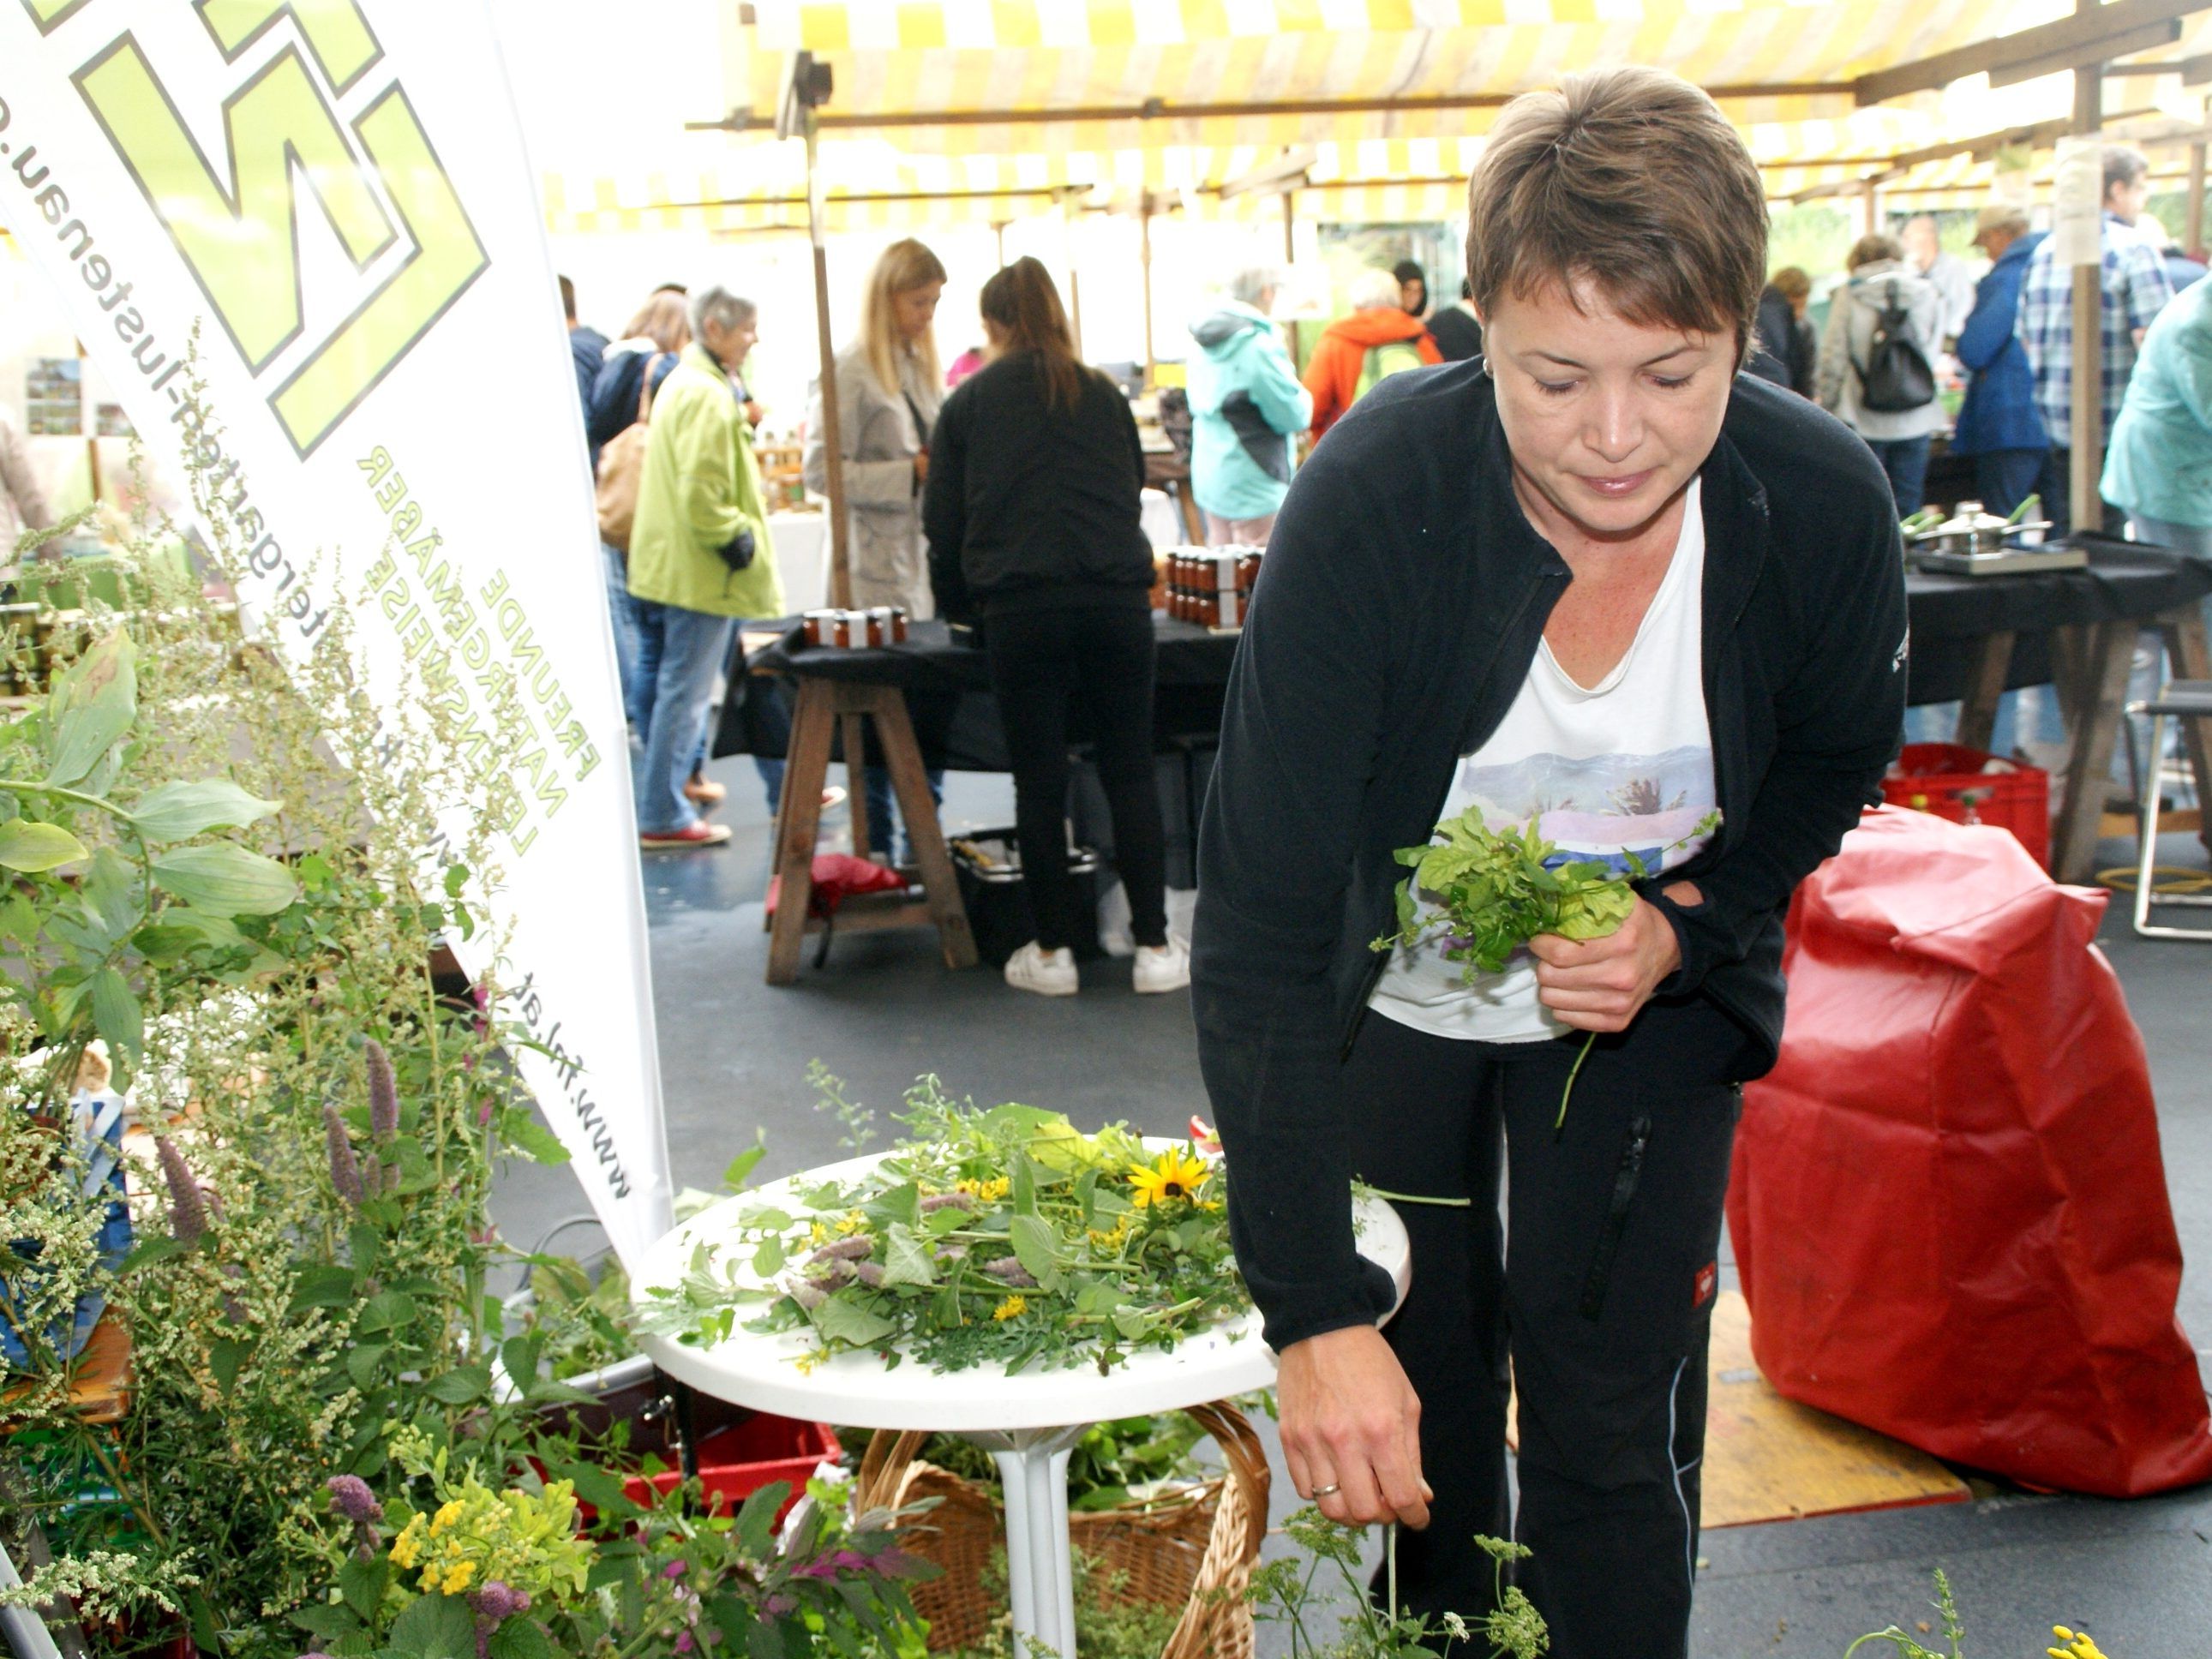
point(1791, 282)
point(1629, 178)
point(1873, 250)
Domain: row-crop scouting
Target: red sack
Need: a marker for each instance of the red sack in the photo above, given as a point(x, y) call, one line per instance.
point(1948, 1205)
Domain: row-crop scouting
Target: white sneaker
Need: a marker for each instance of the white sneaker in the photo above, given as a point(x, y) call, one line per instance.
point(1162, 967)
point(1049, 973)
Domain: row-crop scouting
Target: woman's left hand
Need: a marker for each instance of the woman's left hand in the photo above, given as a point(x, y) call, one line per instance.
point(1602, 984)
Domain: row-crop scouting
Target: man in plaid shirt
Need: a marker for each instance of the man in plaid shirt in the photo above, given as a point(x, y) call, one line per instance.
point(2135, 290)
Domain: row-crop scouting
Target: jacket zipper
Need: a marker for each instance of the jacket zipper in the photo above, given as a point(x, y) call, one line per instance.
point(1436, 813)
point(1631, 1171)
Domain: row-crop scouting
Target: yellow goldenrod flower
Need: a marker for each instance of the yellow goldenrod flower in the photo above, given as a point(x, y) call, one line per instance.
point(407, 1548)
point(1173, 1174)
point(1012, 1308)
point(430, 1580)
point(447, 1514)
point(458, 1576)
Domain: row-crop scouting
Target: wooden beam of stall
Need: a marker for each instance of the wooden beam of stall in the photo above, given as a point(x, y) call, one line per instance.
point(1159, 109)
point(2041, 136)
point(2089, 25)
point(2148, 37)
point(2192, 210)
point(1145, 260)
point(2085, 433)
point(841, 551)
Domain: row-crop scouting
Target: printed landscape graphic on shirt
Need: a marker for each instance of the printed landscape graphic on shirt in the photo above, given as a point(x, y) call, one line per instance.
point(1600, 808)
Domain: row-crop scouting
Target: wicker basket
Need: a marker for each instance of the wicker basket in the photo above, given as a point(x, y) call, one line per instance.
point(1192, 1547)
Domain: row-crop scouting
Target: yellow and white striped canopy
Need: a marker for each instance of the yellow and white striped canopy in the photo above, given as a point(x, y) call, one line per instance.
point(1169, 100)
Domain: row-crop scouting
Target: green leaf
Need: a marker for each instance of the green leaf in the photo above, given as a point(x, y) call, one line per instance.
point(110, 893)
point(323, 1285)
point(843, 1321)
point(328, 1620)
point(460, 1386)
point(521, 1638)
point(906, 1259)
point(116, 1013)
point(1032, 1241)
point(94, 701)
point(522, 1131)
point(226, 879)
point(519, 1357)
point(903, 1203)
point(733, 1178)
point(361, 1584)
point(225, 1355)
point(767, 1219)
point(160, 1248)
point(1022, 1185)
point(177, 811)
point(388, 1311)
point(32, 847)
point(768, 1258)
point(436, 1627)
point(756, 1517)
point(365, 1363)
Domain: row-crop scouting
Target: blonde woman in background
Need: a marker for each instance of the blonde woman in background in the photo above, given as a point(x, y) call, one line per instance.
point(890, 386)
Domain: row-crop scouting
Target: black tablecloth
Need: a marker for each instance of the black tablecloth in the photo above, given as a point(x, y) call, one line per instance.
point(948, 686)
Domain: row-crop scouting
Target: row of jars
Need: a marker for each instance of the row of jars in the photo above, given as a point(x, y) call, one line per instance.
point(878, 624)
point(1212, 585)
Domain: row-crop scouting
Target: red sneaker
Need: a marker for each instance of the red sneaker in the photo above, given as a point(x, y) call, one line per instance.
point(700, 834)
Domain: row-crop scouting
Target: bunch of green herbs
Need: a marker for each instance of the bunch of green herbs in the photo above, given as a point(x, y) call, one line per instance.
point(1005, 1236)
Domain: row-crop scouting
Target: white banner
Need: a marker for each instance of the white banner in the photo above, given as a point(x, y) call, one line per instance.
point(336, 193)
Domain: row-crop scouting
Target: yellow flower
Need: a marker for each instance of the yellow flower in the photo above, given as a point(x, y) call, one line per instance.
point(458, 1576)
point(986, 1192)
point(817, 1234)
point(806, 1363)
point(1173, 1174)
point(1012, 1308)
point(2079, 1644)
point(1111, 1239)
point(407, 1548)
point(430, 1580)
point(448, 1515)
point(851, 1222)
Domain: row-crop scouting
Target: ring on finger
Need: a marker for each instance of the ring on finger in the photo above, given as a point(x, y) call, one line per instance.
point(1329, 1491)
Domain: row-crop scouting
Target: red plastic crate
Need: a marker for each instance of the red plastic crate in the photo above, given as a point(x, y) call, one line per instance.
point(1947, 779)
point(737, 1461)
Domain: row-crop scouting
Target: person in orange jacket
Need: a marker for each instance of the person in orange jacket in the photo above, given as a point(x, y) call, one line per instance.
point(1378, 338)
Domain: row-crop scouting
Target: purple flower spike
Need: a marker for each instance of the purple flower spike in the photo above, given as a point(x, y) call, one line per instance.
point(187, 1211)
point(871, 1273)
point(383, 1093)
point(1009, 1270)
point(351, 1497)
point(844, 1249)
point(937, 1202)
point(345, 1174)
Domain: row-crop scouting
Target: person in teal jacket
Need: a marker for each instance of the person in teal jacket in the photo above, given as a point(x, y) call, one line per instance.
point(700, 559)
point(2159, 465)
point(1245, 403)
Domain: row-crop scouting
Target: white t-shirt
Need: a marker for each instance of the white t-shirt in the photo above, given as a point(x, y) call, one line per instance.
point(1623, 766)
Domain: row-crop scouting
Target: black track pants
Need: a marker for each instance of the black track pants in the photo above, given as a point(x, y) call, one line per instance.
point(1062, 673)
point(1600, 1288)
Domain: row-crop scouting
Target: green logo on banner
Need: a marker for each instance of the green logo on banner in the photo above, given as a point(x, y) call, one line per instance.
point(236, 220)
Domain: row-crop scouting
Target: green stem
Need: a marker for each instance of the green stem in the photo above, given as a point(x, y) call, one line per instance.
point(1421, 1198)
point(1560, 1127)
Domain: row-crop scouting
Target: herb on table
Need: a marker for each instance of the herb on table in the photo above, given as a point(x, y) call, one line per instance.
point(1495, 889)
point(1003, 1237)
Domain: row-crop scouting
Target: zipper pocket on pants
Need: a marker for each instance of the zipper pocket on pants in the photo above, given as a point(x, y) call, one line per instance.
point(1624, 1177)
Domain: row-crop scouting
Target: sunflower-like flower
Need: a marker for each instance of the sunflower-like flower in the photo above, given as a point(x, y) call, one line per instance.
point(1173, 1174)
point(1012, 1308)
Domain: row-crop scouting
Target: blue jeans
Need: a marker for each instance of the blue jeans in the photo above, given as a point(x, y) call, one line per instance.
point(2007, 477)
point(622, 613)
point(687, 650)
point(1906, 461)
point(880, 819)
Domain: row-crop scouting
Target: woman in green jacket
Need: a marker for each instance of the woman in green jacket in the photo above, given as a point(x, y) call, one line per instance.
point(700, 559)
point(2159, 466)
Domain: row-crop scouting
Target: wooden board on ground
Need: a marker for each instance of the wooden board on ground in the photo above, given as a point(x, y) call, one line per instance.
point(1770, 1459)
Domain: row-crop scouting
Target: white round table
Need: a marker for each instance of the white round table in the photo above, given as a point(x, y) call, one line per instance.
point(1028, 1422)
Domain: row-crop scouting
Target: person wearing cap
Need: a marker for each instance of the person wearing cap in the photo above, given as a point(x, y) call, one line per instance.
point(1999, 424)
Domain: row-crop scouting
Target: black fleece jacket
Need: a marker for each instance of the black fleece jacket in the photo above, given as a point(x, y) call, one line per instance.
point(1401, 603)
point(1034, 507)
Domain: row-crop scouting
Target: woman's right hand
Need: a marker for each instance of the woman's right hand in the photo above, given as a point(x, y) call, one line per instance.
point(1350, 1419)
point(921, 466)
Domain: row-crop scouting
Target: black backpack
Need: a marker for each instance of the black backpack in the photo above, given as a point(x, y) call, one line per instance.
point(1895, 376)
